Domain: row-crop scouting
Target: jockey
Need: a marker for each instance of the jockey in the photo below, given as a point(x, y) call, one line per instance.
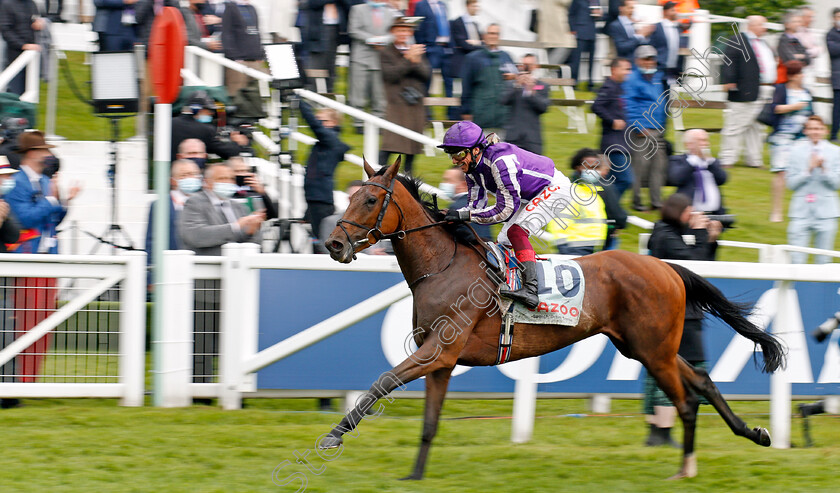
point(529, 193)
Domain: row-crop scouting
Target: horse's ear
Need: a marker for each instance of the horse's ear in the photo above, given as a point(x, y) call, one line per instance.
point(393, 169)
point(369, 171)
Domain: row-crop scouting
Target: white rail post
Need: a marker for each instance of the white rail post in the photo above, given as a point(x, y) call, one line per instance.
point(52, 96)
point(780, 388)
point(32, 93)
point(699, 39)
point(176, 334)
point(371, 145)
point(133, 329)
point(525, 400)
point(239, 295)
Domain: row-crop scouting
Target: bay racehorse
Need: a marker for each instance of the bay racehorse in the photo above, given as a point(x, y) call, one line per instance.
point(637, 301)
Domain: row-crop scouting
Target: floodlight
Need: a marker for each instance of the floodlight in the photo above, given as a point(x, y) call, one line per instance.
point(284, 66)
point(115, 87)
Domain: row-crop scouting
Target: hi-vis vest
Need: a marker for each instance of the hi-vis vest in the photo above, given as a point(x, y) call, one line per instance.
point(586, 225)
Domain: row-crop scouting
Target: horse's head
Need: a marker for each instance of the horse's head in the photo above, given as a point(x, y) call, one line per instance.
point(369, 216)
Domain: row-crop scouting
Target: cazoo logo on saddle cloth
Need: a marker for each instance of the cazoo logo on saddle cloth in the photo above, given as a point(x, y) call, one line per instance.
point(561, 287)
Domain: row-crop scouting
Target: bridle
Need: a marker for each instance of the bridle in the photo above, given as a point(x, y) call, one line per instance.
point(376, 233)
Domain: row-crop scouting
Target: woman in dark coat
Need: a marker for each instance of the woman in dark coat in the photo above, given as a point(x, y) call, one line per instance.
point(405, 72)
point(682, 234)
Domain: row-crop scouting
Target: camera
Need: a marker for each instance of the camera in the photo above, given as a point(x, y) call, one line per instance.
point(726, 220)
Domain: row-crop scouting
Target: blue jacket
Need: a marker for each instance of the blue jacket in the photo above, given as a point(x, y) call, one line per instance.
point(625, 44)
point(427, 31)
point(814, 192)
point(609, 106)
point(581, 21)
point(645, 100)
point(681, 175)
point(323, 158)
point(459, 44)
point(659, 41)
point(38, 216)
point(108, 18)
point(150, 228)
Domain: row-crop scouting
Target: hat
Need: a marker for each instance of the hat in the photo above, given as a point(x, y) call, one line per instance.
point(405, 21)
point(669, 5)
point(200, 100)
point(32, 140)
point(5, 167)
point(464, 134)
point(645, 51)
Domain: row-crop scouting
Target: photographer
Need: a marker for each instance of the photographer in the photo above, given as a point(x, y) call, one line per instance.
point(251, 190)
point(682, 234)
point(697, 174)
point(405, 72)
point(528, 98)
point(196, 122)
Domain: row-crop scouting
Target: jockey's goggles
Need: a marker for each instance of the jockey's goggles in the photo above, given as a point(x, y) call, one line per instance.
point(457, 153)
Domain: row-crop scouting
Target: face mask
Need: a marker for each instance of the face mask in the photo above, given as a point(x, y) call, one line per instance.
point(51, 165)
point(225, 190)
point(204, 118)
point(7, 186)
point(647, 71)
point(199, 161)
point(590, 176)
point(189, 185)
point(448, 189)
point(376, 4)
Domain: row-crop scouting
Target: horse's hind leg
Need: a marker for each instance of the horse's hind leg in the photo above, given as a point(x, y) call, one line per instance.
point(668, 377)
point(436, 385)
point(698, 379)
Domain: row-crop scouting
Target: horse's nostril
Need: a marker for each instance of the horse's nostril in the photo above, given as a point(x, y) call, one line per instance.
point(336, 245)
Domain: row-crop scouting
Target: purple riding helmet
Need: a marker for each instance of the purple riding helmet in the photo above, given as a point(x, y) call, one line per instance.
point(462, 135)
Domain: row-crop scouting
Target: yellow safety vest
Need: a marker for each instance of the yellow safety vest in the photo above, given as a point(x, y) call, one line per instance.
point(586, 225)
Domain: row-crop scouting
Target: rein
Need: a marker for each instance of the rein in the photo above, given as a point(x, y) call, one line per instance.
point(377, 233)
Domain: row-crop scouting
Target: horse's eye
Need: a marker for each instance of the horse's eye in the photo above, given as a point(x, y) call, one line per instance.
point(371, 201)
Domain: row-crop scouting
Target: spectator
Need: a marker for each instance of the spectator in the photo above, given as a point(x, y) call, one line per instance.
point(814, 177)
point(433, 32)
point(209, 220)
point(610, 107)
point(646, 117)
point(197, 22)
point(454, 184)
point(241, 42)
point(39, 206)
point(527, 99)
point(184, 180)
point(553, 29)
point(145, 12)
point(193, 150)
point(19, 19)
point(195, 122)
point(9, 232)
point(792, 106)
point(582, 17)
point(53, 10)
point(790, 48)
point(625, 36)
point(466, 36)
point(809, 41)
point(324, 158)
point(666, 38)
point(742, 79)
point(250, 188)
point(586, 222)
point(697, 174)
point(116, 24)
point(405, 72)
point(669, 241)
point(368, 28)
point(324, 20)
point(484, 80)
point(832, 40)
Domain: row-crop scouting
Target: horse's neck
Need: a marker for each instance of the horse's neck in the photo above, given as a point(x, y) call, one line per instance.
point(422, 252)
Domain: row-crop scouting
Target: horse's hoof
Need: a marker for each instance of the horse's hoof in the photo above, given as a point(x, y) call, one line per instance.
point(412, 477)
point(329, 442)
point(763, 437)
point(689, 468)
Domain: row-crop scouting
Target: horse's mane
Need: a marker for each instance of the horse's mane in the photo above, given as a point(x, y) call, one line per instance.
point(461, 233)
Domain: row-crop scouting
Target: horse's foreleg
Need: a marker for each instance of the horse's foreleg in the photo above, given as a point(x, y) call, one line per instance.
point(699, 380)
point(425, 360)
point(436, 385)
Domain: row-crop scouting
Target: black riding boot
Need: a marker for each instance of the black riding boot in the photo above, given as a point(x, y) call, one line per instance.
point(810, 409)
point(660, 436)
point(527, 294)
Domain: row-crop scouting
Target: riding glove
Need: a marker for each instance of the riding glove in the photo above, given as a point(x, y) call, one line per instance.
point(457, 215)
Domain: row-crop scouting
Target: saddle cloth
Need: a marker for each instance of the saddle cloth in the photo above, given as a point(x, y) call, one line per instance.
point(561, 289)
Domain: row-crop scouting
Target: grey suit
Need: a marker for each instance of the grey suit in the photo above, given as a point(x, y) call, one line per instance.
point(814, 207)
point(365, 73)
point(204, 228)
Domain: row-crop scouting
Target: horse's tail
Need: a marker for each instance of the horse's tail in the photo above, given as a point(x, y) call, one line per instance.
point(711, 300)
